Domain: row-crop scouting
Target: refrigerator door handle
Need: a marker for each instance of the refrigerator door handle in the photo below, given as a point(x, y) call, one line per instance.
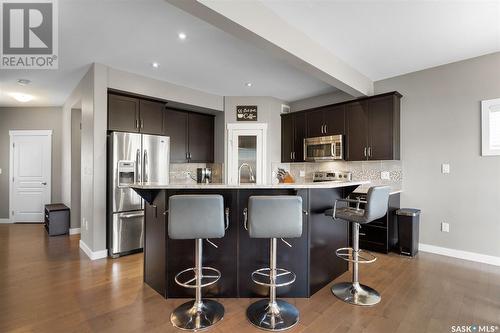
point(146, 166)
point(138, 166)
point(130, 216)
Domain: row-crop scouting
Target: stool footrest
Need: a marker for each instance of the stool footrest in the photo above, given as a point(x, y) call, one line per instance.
point(209, 276)
point(283, 277)
point(347, 254)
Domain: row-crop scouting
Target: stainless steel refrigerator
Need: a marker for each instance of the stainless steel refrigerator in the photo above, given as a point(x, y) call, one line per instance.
point(132, 158)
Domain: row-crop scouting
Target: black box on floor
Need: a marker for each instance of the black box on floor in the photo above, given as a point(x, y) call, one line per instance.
point(57, 219)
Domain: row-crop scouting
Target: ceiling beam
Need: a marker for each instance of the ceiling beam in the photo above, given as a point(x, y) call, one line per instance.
point(252, 21)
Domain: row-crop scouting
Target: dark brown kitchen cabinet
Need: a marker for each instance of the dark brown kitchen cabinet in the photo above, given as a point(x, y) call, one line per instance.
point(175, 124)
point(373, 127)
point(151, 116)
point(123, 113)
point(130, 114)
point(293, 132)
point(357, 128)
point(200, 138)
point(191, 136)
point(328, 120)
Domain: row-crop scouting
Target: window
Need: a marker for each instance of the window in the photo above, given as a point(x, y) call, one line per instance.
point(490, 121)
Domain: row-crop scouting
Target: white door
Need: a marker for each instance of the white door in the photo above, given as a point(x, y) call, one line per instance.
point(30, 174)
point(246, 145)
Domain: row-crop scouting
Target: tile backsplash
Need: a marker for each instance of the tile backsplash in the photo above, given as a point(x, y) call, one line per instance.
point(366, 170)
point(185, 173)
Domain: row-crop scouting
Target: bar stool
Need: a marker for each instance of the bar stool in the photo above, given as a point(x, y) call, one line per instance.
point(376, 203)
point(197, 217)
point(273, 217)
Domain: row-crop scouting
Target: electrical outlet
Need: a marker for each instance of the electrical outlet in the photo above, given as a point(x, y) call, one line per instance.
point(302, 173)
point(445, 168)
point(0, 171)
point(445, 227)
point(385, 175)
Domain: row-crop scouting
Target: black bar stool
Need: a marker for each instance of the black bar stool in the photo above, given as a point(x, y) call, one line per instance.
point(273, 217)
point(197, 217)
point(376, 204)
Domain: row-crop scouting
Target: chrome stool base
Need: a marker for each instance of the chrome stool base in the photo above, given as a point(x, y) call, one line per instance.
point(189, 317)
point(279, 316)
point(356, 293)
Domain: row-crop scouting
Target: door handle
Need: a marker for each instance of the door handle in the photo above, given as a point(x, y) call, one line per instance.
point(130, 216)
point(138, 166)
point(146, 176)
point(44, 183)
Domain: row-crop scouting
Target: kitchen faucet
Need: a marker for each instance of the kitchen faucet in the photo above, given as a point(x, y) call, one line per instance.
point(250, 172)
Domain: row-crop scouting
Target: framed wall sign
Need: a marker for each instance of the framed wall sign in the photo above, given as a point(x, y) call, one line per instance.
point(246, 113)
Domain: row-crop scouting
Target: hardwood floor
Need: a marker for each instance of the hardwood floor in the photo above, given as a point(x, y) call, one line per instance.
point(49, 285)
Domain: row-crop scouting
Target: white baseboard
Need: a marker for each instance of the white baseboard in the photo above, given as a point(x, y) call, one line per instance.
point(471, 256)
point(5, 221)
point(74, 231)
point(93, 255)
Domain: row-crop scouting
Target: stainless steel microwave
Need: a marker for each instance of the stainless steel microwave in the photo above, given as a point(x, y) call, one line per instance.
point(324, 148)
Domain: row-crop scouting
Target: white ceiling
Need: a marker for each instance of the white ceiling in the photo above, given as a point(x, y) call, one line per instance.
point(379, 38)
point(130, 35)
point(387, 38)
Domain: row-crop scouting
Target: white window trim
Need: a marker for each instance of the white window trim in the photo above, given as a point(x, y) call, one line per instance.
point(254, 129)
point(486, 149)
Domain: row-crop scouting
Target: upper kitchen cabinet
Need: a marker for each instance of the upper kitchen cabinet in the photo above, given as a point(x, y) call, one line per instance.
point(130, 114)
point(201, 138)
point(151, 116)
point(123, 113)
point(175, 125)
point(293, 132)
point(373, 128)
point(327, 120)
point(191, 136)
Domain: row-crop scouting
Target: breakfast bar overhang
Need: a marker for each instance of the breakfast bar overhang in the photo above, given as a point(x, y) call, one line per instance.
point(311, 257)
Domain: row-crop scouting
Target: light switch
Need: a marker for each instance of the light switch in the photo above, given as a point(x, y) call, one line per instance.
point(445, 168)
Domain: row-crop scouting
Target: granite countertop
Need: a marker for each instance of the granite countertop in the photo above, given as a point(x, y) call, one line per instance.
point(158, 186)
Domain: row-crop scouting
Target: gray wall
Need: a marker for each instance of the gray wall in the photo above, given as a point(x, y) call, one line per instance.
point(441, 124)
point(268, 111)
point(29, 118)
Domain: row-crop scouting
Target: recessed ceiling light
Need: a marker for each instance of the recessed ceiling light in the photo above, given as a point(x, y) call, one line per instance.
point(182, 36)
point(23, 98)
point(248, 84)
point(23, 82)
point(155, 64)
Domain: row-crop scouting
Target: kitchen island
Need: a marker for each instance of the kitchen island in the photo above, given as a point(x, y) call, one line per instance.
point(311, 257)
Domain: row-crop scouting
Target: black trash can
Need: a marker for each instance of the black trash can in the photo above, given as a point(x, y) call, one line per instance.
point(408, 225)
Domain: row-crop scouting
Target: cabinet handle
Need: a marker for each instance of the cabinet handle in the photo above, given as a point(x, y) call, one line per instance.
point(322, 129)
point(369, 151)
point(187, 156)
point(364, 151)
point(326, 128)
point(291, 155)
point(362, 234)
point(136, 123)
point(142, 123)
